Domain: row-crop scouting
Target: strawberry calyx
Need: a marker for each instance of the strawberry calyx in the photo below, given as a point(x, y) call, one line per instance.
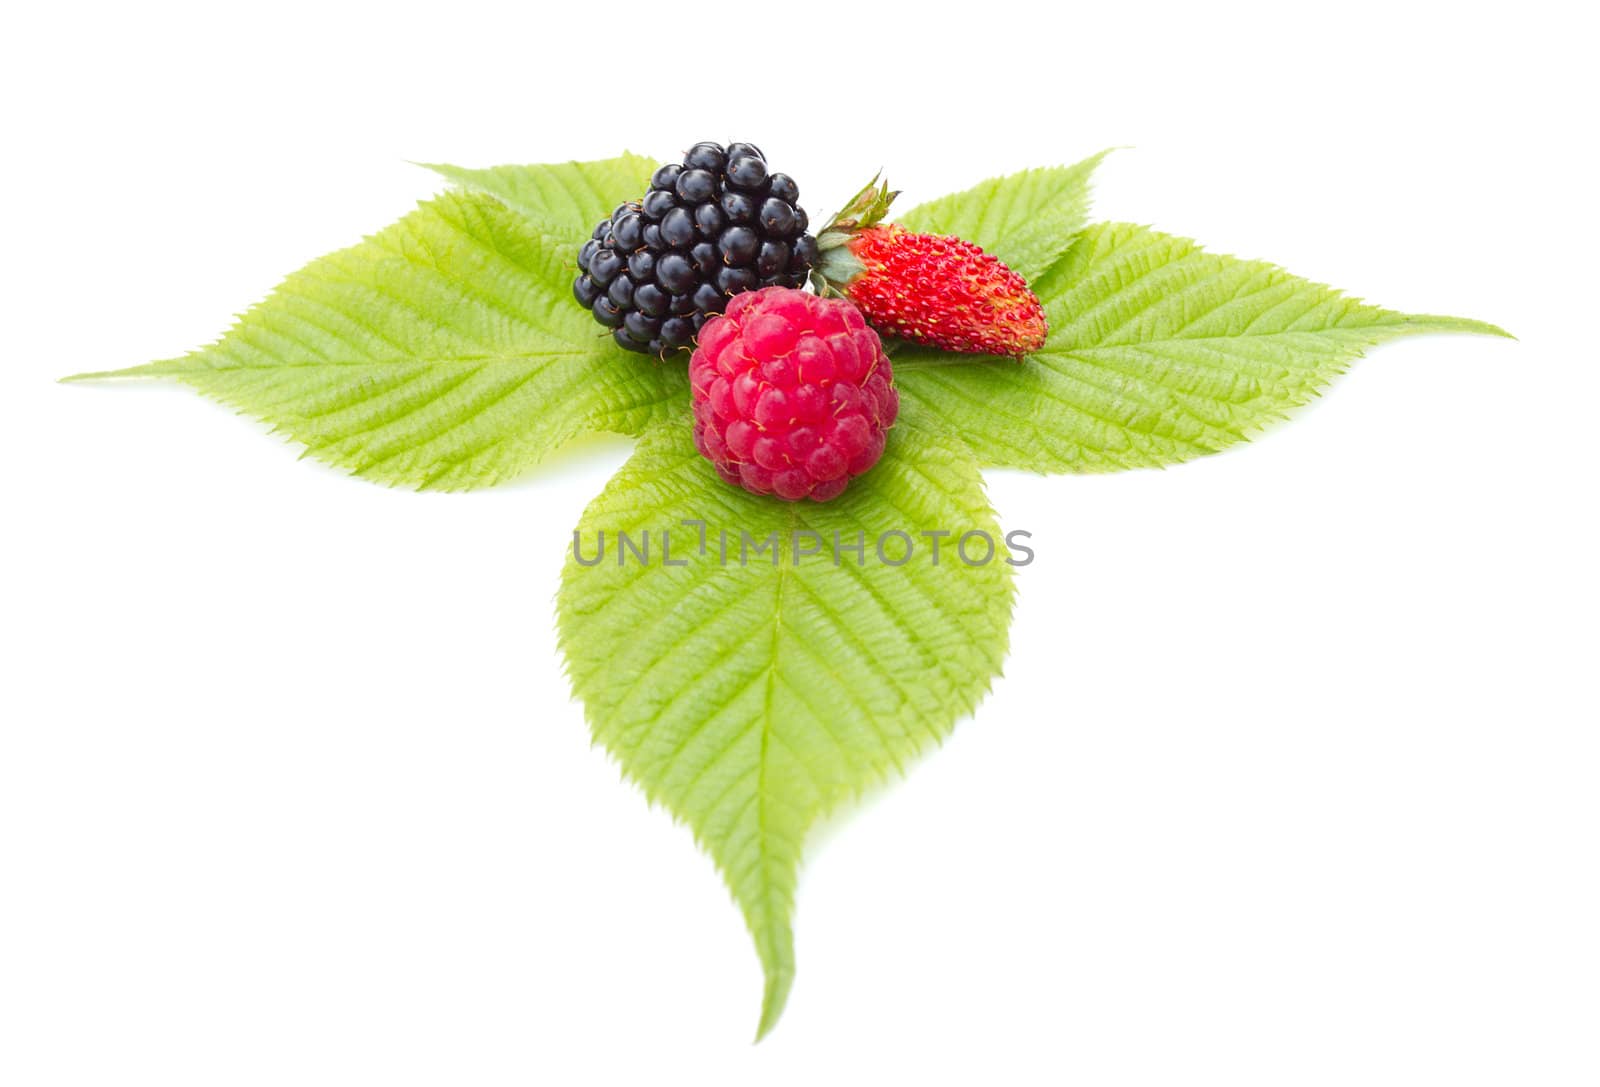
point(836, 265)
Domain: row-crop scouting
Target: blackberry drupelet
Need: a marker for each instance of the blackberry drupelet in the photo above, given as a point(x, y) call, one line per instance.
point(715, 225)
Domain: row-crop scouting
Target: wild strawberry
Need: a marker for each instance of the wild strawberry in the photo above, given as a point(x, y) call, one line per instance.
point(793, 394)
point(928, 288)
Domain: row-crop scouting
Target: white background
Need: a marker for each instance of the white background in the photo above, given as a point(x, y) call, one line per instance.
point(1291, 778)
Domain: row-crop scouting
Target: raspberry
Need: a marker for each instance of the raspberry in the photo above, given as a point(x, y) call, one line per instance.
point(793, 394)
point(717, 224)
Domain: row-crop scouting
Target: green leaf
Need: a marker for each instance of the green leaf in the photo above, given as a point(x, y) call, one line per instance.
point(564, 200)
point(751, 699)
point(1026, 219)
point(1158, 352)
point(749, 691)
point(443, 352)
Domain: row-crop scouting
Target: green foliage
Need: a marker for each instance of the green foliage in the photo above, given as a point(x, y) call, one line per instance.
point(443, 352)
point(1158, 352)
point(562, 200)
point(752, 699)
point(1026, 219)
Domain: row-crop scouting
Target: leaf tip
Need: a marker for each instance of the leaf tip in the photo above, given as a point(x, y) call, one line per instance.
point(160, 368)
point(105, 375)
point(456, 175)
point(1432, 323)
point(773, 998)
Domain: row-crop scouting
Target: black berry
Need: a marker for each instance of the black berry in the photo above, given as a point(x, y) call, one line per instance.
point(606, 313)
point(747, 172)
point(675, 274)
point(805, 255)
point(708, 298)
point(706, 156)
point(776, 218)
point(641, 327)
point(772, 259)
point(733, 280)
point(642, 265)
point(783, 187)
point(718, 223)
point(627, 342)
point(677, 228)
point(738, 207)
point(709, 220)
point(738, 245)
point(665, 178)
point(695, 186)
point(705, 258)
point(650, 299)
point(657, 202)
point(626, 229)
point(677, 331)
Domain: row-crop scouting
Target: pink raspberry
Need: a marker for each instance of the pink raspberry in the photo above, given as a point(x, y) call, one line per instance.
point(793, 394)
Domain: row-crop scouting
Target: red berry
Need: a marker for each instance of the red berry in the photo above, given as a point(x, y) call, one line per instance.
point(945, 292)
point(793, 394)
point(934, 289)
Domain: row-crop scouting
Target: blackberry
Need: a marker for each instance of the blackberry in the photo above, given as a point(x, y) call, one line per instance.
point(717, 224)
